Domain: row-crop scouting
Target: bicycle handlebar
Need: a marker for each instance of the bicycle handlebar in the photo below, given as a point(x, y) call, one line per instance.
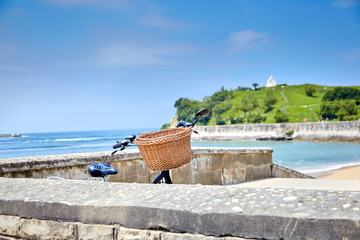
point(122, 143)
point(130, 139)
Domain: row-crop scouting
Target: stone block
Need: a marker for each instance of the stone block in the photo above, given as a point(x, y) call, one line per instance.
point(254, 173)
point(41, 229)
point(234, 175)
point(136, 234)
point(209, 177)
point(131, 171)
point(95, 231)
point(187, 236)
point(10, 225)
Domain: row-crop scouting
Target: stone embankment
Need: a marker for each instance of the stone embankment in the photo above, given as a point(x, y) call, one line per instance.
point(264, 209)
point(323, 131)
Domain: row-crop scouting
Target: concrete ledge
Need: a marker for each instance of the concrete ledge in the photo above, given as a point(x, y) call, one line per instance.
point(280, 171)
point(67, 160)
point(265, 209)
point(64, 160)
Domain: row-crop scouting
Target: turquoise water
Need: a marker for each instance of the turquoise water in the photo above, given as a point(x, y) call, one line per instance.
point(306, 157)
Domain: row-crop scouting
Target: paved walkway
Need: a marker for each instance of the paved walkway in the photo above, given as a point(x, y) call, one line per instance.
point(271, 209)
point(284, 97)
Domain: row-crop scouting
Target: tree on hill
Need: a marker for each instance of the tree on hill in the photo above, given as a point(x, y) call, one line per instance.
point(269, 101)
point(218, 110)
point(342, 110)
point(242, 89)
point(248, 104)
point(186, 109)
point(340, 103)
point(220, 96)
point(255, 85)
point(342, 93)
point(328, 110)
point(310, 90)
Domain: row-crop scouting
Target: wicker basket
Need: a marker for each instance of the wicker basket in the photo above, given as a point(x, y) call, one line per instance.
point(165, 149)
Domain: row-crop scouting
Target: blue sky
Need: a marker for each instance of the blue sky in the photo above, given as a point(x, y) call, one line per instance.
point(68, 65)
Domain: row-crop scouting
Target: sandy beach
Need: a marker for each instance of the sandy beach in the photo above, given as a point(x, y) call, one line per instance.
point(345, 173)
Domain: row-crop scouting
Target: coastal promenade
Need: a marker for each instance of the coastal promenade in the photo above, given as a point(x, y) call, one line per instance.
point(265, 209)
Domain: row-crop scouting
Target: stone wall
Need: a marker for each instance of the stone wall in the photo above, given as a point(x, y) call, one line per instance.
point(279, 171)
point(347, 131)
point(14, 226)
point(208, 166)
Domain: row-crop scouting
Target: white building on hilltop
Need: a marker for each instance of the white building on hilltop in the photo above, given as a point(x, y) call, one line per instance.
point(271, 82)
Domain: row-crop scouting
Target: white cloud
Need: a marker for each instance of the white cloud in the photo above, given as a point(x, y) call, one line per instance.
point(129, 54)
point(346, 3)
point(247, 39)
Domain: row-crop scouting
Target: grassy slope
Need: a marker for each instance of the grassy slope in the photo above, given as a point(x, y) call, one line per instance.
point(298, 105)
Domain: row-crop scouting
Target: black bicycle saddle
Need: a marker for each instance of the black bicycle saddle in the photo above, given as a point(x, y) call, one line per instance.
point(101, 169)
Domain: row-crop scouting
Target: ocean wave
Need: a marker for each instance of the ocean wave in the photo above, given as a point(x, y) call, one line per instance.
point(330, 167)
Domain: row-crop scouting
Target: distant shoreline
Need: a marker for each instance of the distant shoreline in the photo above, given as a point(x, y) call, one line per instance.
point(11, 135)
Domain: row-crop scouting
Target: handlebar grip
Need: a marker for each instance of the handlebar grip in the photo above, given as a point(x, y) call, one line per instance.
point(117, 145)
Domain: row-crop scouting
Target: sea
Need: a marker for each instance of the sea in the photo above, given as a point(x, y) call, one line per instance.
point(306, 157)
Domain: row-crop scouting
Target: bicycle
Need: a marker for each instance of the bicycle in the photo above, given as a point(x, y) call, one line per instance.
point(165, 175)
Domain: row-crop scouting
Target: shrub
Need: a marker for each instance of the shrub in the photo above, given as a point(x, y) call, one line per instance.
point(289, 133)
point(328, 110)
point(281, 117)
point(256, 118)
point(165, 126)
point(220, 121)
point(310, 90)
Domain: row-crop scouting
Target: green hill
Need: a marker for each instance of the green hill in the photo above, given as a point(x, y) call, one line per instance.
point(282, 103)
